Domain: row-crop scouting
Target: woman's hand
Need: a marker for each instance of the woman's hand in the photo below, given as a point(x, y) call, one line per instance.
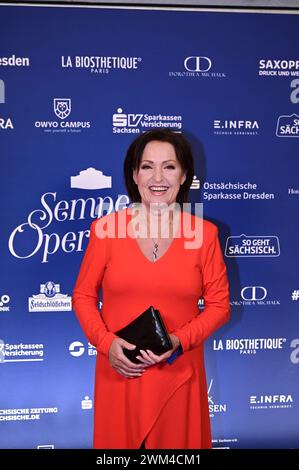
point(148, 358)
point(120, 362)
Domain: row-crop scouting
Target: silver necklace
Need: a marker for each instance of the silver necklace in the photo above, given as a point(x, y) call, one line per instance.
point(156, 244)
point(155, 251)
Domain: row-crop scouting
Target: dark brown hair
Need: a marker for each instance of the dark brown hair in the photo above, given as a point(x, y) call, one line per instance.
point(183, 153)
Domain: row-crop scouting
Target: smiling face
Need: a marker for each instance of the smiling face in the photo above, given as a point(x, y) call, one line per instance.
point(160, 174)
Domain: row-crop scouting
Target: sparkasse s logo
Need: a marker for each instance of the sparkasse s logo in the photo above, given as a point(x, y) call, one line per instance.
point(124, 123)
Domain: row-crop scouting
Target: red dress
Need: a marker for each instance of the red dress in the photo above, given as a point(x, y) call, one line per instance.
point(168, 405)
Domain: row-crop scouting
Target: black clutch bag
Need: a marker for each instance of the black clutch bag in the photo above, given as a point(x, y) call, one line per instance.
point(147, 331)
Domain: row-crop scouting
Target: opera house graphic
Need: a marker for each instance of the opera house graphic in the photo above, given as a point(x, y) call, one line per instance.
point(91, 179)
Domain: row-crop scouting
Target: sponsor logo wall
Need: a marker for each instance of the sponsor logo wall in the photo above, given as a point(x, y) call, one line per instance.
point(70, 105)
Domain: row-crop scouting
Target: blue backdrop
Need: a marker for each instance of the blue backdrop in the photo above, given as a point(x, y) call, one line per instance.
point(76, 86)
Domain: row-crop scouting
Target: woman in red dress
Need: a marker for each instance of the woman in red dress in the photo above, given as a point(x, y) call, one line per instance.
point(161, 404)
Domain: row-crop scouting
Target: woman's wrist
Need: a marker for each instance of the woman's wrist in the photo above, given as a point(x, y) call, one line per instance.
point(175, 342)
point(177, 349)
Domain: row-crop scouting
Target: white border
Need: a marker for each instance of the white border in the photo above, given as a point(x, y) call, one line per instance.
point(216, 9)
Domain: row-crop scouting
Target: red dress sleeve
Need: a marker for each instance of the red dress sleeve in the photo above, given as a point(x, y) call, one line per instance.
point(215, 293)
point(85, 297)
